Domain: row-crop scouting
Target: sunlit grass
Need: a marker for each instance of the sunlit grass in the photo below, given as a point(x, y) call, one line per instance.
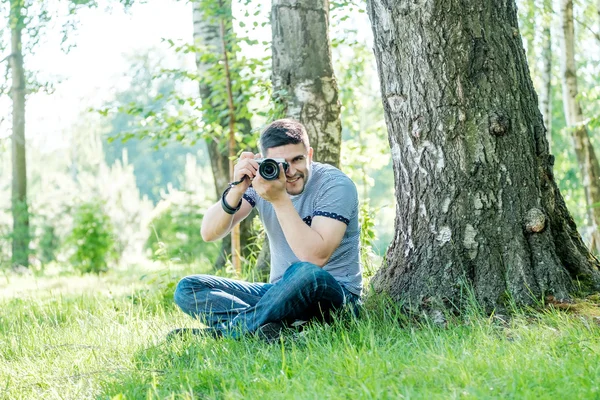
point(108, 341)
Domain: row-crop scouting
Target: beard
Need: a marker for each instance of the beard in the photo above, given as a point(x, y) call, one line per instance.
point(302, 177)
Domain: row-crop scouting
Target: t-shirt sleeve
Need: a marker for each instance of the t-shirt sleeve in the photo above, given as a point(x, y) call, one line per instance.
point(250, 196)
point(338, 199)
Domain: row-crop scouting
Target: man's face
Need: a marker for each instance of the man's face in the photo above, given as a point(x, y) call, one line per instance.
point(299, 160)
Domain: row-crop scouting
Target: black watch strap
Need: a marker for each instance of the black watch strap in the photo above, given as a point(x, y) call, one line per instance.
point(226, 207)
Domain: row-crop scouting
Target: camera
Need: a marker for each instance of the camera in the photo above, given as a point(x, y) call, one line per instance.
point(268, 168)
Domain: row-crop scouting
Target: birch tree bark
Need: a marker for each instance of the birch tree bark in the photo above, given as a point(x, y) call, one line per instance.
point(477, 205)
point(586, 156)
point(546, 71)
point(304, 84)
point(303, 79)
point(207, 36)
point(20, 212)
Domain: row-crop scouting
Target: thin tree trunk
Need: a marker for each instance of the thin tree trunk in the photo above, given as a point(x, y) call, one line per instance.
point(235, 231)
point(207, 35)
point(20, 212)
point(303, 80)
point(586, 156)
point(546, 73)
point(598, 12)
point(478, 210)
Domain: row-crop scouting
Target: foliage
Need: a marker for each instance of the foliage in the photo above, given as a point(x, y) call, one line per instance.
point(175, 231)
point(566, 170)
point(5, 240)
point(21, 233)
point(365, 150)
point(154, 166)
point(92, 238)
point(367, 239)
point(185, 118)
point(49, 243)
point(250, 263)
point(104, 337)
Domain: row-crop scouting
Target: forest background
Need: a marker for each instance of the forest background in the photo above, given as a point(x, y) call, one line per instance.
point(96, 92)
point(133, 80)
point(119, 174)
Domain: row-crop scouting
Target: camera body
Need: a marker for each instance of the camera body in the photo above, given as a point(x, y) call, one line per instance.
point(268, 168)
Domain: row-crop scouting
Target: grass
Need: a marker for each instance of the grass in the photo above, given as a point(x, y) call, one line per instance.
point(107, 341)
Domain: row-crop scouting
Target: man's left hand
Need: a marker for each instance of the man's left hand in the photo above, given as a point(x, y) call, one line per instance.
point(272, 191)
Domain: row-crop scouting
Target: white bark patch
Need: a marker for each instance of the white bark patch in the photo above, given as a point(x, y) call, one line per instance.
point(328, 87)
point(396, 151)
point(414, 155)
point(469, 241)
point(396, 102)
point(479, 152)
point(405, 176)
point(499, 203)
point(444, 235)
point(384, 16)
point(441, 163)
point(304, 93)
point(461, 96)
point(446, 205)
point(437, 154)
point(477, 203)
point(409, 246)
point(506, 173)
point(422, 210)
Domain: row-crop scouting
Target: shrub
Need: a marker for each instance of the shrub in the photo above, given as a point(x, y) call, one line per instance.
point(175, 231)
point(367, 238)
point(48, 244)
point(5, 245)
point(92, 237)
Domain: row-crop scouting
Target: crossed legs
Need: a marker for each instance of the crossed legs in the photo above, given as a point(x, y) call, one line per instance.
point(236, 307)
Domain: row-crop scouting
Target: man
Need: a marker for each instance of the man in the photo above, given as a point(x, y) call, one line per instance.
point(310, 214)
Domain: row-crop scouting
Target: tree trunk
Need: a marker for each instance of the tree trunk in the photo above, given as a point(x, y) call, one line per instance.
point(598, 12)
point(20, 212)
point(207, 35)
point(546, 73)
point(586, 157)
point(303, 80)
point(304, 84)
point(478, 210)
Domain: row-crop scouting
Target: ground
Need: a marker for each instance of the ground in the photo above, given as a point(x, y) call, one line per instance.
point(103, 337)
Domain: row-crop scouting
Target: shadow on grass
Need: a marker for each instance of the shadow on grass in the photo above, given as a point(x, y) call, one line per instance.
point(203, 367)
point(192, 367)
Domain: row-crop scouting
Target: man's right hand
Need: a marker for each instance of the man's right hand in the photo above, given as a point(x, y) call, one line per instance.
point(245, 166)
point(216, 222)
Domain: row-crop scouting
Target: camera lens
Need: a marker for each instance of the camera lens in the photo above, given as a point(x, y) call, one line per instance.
point(269, 170)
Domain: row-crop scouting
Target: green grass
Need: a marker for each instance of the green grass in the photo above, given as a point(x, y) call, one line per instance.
point(104, 338)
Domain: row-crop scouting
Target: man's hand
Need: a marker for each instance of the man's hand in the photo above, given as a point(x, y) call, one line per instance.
point(245, 166)
point(272, 191)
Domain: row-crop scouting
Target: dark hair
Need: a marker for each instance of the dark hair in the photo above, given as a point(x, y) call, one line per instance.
point(282, 132)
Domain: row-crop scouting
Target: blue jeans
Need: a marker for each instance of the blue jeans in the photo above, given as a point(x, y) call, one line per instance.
point(236, 307)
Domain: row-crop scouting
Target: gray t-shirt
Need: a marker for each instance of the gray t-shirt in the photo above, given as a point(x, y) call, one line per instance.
point(329, 193)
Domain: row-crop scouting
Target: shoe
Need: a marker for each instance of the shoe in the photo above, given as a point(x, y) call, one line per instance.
point(299, 325)
point(189, 332)
point(270, 332)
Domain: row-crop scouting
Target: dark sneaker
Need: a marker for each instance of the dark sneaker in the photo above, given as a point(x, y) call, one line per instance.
point(270, 332)
point(189, 332)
